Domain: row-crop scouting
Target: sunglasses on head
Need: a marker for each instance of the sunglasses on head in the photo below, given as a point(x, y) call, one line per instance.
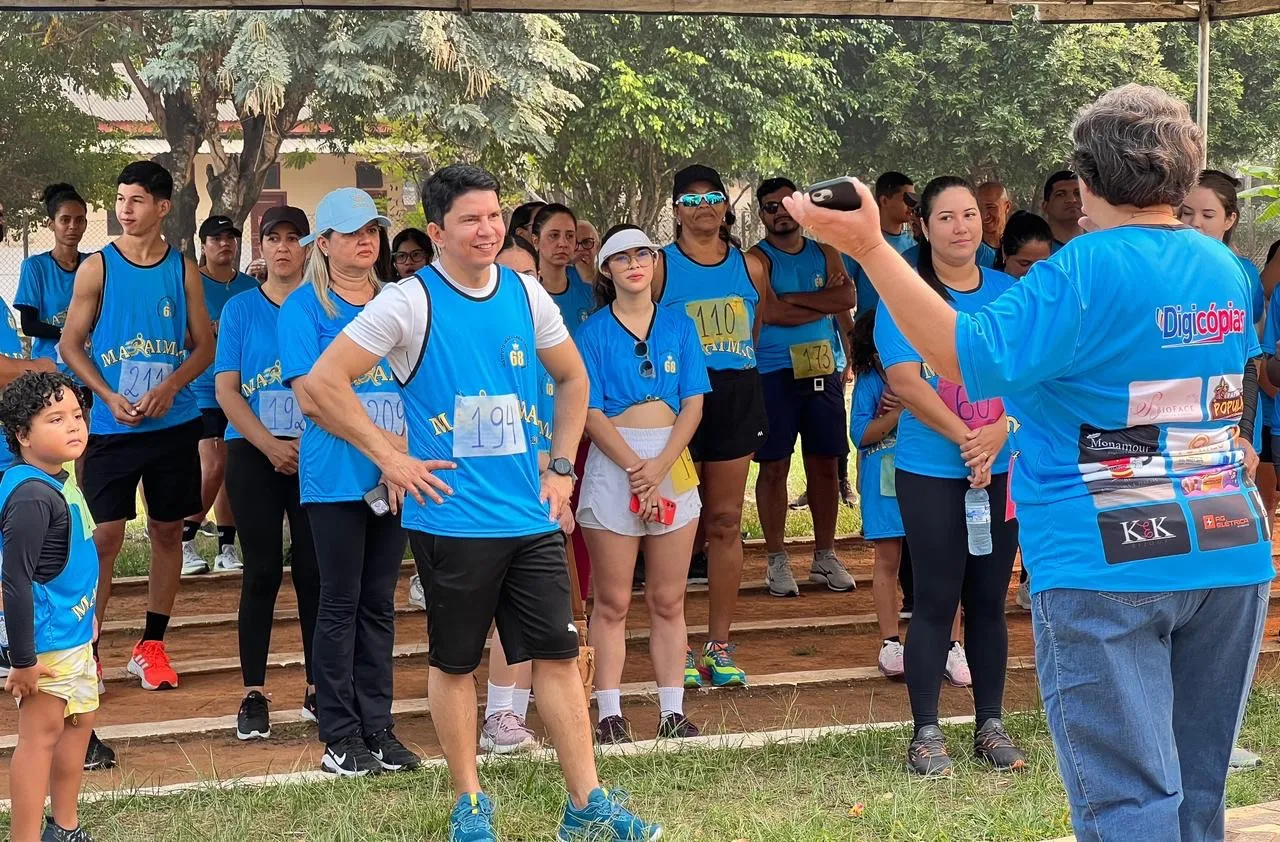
point(697, 200)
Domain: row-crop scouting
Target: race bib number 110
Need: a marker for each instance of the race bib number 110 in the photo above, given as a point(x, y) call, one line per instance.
point(487, 425)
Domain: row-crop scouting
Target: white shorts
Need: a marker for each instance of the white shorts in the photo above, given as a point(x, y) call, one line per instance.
point(605, 502)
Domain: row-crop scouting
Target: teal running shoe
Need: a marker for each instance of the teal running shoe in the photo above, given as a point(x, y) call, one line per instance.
point(718, 667)
point(472, 819)
point(605, 819)
point(692, 678)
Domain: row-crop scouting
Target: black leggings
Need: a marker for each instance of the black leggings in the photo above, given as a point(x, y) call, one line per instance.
point(359, 557)
point(945, 575)
point(260, 499)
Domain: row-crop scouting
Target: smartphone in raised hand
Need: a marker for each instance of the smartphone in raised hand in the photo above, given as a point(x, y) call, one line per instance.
point(835, 194)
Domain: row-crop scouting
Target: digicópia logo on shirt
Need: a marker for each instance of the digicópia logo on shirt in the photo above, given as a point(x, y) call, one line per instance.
point(1180, 328)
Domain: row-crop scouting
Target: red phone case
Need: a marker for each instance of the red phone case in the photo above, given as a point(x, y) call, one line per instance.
point(666, 509)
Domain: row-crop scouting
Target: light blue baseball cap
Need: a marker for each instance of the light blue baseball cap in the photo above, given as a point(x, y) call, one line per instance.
point(345, 210)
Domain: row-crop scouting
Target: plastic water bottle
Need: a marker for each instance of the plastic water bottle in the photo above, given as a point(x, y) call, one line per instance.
point(977, 520)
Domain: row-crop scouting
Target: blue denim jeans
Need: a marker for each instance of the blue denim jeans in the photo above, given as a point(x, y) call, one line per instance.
point(1144, 693)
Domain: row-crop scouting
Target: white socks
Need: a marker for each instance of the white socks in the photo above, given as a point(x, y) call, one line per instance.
point(520, 701)
point(671, 700)
point(500, 699)
point(609, 702)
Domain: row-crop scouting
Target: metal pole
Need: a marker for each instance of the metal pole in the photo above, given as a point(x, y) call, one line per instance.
point(1202, 81)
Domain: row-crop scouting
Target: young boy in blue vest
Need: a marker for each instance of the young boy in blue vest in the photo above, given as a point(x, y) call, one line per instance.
point(50, 579)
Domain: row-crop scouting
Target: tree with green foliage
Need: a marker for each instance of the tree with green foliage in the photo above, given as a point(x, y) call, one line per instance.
point(491, 80)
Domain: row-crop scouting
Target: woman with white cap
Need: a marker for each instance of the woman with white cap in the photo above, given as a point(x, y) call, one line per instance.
point(639, 491)
point(354, 513)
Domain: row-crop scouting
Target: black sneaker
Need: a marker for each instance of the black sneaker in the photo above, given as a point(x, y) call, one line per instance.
point(254, 720)
point(54, 833)
point(846, 494)
point(927, 754)
point(390, 753)
point(98, 755)
point(637, 578)
point(612, 731)
point(677, 726)
point(349, 758)
point(993, 744)
point(698, 568)
point(309, 706)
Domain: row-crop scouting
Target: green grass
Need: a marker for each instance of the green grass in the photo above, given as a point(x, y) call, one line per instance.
point(772, 794)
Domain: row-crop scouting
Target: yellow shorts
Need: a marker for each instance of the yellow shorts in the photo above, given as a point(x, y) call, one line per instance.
point(75, 678)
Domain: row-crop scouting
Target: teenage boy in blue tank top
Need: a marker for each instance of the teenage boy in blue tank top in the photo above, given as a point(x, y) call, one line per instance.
point(465, 339)
point(219, 245)
point(140, 303)
point(803, 387)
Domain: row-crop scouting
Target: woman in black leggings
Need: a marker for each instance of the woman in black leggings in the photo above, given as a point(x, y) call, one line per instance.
point(948, 445)
point(262, 466)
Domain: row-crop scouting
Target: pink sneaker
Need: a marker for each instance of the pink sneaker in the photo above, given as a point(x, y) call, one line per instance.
point(890, 661)
point(957, 670)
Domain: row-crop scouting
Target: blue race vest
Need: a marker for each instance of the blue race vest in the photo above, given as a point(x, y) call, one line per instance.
point(64, 606)
point(11, 347)
point(720, 300)
point(810, 348)
point(139, 338)
point(474, 400)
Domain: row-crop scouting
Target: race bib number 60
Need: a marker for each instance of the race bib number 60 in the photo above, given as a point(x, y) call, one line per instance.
point(487, 425)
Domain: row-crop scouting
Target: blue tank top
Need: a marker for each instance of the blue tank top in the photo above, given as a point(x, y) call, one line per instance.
point(216, 296)
point(809, 349)
point(721, 301)
point(46, 287)
point(576, 303)
point(63, 606)
point(11, 347)
point(139, 337)
point(473, 400)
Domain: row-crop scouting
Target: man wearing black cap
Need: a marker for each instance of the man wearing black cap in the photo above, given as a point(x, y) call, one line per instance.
point(220, 249)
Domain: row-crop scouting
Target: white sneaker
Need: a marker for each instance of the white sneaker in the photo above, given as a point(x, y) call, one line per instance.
point(957, 670)
point(1243, 760)
point(778, 577)
point(192, 563)
point(228, 559)
point(417, 598)
point(890, 661)
point(1024, 596)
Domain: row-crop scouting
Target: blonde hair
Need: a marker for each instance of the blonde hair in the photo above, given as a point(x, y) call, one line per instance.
point(317, 274)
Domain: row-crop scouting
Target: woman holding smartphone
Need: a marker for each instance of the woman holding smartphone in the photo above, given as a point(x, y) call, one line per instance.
point(358, 549)
point(639, 490)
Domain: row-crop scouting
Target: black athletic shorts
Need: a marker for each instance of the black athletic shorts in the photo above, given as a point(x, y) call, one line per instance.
point(522, 583)
point(214, 423)
point(166, 462)
point(811, 408)
point(734, 423)
point(1267, 452)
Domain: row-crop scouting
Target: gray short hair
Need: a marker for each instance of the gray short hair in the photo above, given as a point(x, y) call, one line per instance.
point(1137, 145)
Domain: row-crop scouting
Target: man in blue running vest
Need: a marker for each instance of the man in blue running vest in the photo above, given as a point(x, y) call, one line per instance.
point(461, 337)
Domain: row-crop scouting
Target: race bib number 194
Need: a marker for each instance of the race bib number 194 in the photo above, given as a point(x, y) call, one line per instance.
point(487, 425)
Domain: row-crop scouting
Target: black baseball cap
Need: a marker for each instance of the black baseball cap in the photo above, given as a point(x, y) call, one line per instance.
point(284, 213)
point(217, 224)
point(692, 175)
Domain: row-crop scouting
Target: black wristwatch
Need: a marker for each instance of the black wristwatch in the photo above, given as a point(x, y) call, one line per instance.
point(561, 466)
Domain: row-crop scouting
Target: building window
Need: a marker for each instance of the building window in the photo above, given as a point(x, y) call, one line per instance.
point(272, 181)
point(368, 177)
point(114, 228)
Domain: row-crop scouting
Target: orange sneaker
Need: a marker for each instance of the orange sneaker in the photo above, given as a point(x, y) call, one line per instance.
point(151, 664)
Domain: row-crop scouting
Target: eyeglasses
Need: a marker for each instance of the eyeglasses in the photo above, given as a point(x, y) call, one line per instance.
point(646, 364)
point(587, 244)
point(771, 207)
point(697, 200)
point(415, 256)
point(623, 259)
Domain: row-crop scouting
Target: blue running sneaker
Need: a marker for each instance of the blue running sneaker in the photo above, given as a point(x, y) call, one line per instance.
point(604, 819)
point(472, 819)
point(692, 678)
point(718, 667)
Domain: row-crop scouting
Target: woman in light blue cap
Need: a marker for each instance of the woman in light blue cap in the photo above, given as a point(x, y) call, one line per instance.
point(355, 517)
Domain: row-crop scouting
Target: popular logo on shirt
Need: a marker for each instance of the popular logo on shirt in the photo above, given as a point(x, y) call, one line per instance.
point(1212, 482)
point(1143, 532)
point(1227, 397)
point(166, 308)
point(669, 364)
point(1165, 401)
point(1225, 522)
point(1098, 445)
point(1182, 328)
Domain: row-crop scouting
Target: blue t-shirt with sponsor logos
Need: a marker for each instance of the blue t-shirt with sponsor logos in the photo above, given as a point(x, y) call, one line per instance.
point(1127, 396)
point(922, 449)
